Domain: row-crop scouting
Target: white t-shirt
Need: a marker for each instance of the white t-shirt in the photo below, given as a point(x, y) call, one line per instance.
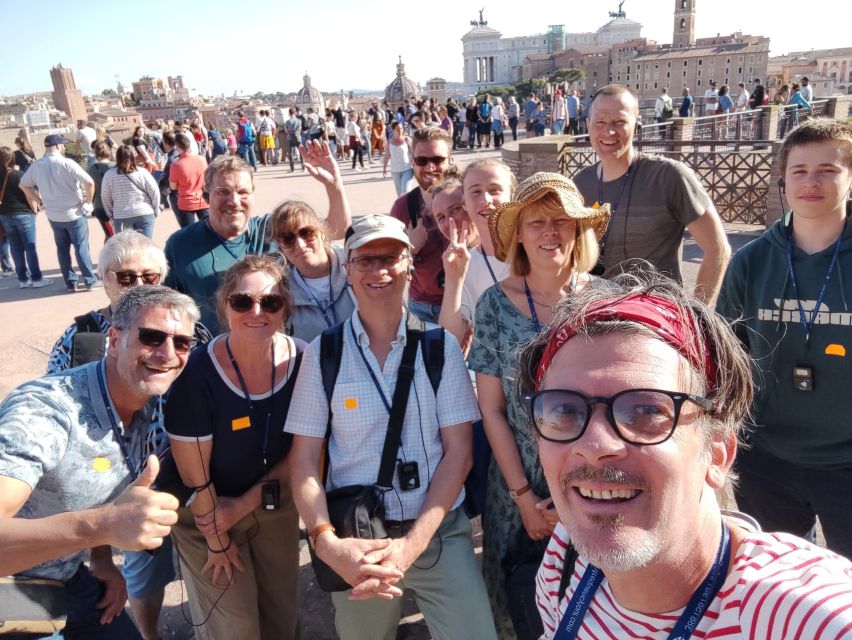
point(477, 279)
point(807, 92)
point(778, 586)
point(742, 100)
point(265, 126)
point(711, 96)
point(86, 136)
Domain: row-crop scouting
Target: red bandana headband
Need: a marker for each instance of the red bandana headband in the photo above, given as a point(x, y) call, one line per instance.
point(660, 315)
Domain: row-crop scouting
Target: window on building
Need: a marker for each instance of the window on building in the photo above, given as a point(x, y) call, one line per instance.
point(698, 82)
point(727, 61)
point(685, 63)
point(683, 4)
point(699, 73)
point(700, 62)
point(668, 74)
point(683, 24)
point(655, 85)
point(739, 71)
point(684, 74)
point(669, 65)
point(751, 59)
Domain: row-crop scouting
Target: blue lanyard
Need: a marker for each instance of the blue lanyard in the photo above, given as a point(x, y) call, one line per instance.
point(808, 324)
point(300, 280)
point(248, 397)
point(224, 242)
point(113, 421)
point(370, 369)
point(533, 314)
point(572, 620)
point(488, 264)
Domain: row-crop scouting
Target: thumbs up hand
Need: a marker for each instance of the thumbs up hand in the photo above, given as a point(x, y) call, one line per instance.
point(140, 517)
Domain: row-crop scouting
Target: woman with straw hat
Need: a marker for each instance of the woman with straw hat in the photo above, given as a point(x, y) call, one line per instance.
point(549, 239)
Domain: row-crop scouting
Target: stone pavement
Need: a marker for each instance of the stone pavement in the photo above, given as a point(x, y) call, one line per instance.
point(33, 319)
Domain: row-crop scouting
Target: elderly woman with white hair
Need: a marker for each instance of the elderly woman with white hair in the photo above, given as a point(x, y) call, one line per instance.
point(127, 259)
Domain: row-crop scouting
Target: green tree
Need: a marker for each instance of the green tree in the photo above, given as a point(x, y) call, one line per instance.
point(566, 75)
point(534, 85)
point(495, 92)
point(109, 93)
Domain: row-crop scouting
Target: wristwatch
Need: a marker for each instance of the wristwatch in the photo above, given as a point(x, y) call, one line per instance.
point(514, 494)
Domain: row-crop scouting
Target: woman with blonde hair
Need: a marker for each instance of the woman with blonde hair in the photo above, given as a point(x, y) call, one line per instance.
point(549, 239)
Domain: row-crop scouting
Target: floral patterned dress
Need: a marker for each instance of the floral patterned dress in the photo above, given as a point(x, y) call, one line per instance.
point(500, 328)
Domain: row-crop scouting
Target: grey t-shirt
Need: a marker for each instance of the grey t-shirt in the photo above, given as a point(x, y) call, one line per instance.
point(57, 437)
point(659, 199)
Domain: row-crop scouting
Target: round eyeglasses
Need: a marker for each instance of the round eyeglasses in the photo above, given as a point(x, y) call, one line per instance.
point(638, 416)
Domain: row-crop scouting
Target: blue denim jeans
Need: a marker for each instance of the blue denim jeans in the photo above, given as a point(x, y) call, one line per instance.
point(246, 151)
point(5, 254)
point(142, 224)
point(76, 234)
point(513, 125)
point(426, 312)
point(83, 592)
point(400, 180)
point(557, 127)
point(21, 229)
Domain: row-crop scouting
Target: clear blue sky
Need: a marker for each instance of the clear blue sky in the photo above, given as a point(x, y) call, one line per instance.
point(220, 46)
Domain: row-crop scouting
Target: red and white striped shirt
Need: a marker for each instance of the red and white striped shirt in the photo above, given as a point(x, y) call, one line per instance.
point(778, 586)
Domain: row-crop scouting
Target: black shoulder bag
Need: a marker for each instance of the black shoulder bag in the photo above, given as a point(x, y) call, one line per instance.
point(358, 511)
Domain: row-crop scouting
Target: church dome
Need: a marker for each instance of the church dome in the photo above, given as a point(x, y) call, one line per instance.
point(308, 96)
point(401, 88)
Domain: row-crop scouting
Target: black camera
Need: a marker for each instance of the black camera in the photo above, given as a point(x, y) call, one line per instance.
point(409, 476)
point(270, 495)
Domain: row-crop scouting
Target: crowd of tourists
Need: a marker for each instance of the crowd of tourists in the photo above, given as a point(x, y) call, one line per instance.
point(524, 352)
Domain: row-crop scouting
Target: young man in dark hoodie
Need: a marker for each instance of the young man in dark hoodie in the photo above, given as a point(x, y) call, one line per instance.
point(789, 293)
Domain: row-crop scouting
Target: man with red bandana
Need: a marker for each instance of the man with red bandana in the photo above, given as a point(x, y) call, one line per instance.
point(637, 395)
point(652, 199)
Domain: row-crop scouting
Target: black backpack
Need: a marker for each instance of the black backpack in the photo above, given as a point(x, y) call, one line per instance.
point(88, 344)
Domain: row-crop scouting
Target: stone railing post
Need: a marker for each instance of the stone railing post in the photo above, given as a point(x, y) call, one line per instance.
point(774, 203)
point(682, 130)
point(837, 108)
point(769, 115)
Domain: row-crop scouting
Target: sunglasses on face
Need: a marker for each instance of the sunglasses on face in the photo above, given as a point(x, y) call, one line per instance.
point(422, 161)
point(129, 278)
point(289, 239)
point(269, 302)
point(156, 337)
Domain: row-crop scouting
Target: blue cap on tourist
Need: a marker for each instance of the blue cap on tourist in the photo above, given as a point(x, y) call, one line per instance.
point(374, 227)
point(55, 139)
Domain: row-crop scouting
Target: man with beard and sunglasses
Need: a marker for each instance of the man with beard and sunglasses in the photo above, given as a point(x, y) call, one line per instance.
point(77, 461)
point(201, 252)
point(431, 159)
point(638, 394)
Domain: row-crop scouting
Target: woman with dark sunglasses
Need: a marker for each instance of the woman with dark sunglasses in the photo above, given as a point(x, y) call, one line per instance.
point(316, 278)
point(127, 259)
point(238, 538)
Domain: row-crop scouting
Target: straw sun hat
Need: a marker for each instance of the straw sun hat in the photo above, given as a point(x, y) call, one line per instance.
point(503, 222)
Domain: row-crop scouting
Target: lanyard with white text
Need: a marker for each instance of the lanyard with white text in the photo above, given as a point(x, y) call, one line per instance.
point(808, 324)
point(113, 421)
point(488, 264)
point(300, 280)
point(572, 620)
point(370, 369)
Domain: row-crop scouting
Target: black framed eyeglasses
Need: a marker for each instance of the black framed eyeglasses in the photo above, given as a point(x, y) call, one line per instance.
point(156, 337)
point(129, 278)
point(638, 416)
point(269, 302)
point(371, 263)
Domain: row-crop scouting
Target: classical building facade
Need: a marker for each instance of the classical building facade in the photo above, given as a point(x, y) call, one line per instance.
point(66, 96)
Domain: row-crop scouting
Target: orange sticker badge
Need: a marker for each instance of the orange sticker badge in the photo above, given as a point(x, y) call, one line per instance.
point(240, 423)
point(835, 350)
point(350, 403)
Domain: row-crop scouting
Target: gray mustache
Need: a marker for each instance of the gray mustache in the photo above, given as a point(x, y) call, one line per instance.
point(609, 475)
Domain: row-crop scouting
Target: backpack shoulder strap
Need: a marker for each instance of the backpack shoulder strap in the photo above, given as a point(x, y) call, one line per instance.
point(331, 352)
point(87, 323)
point(432, 349)
point(413, 202)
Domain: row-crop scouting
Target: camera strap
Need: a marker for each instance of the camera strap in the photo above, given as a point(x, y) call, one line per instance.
point(393, 437)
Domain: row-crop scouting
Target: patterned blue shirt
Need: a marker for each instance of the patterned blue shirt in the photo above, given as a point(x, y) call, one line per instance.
point(57, 437)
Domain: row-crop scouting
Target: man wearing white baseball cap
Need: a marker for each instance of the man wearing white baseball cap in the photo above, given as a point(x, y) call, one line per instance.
point(419, 465)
